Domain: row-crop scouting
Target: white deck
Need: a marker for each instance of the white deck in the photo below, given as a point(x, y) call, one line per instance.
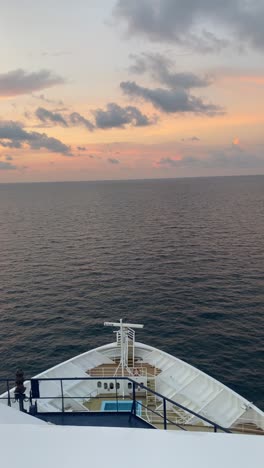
point(12, 416)
point(69, 447)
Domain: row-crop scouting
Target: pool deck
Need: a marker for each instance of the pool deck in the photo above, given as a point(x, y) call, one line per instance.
point(95, 404)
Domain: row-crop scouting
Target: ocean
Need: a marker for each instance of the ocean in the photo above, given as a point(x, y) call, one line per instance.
point(185, 257)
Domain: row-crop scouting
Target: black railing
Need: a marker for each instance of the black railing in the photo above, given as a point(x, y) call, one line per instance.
point(34, 388)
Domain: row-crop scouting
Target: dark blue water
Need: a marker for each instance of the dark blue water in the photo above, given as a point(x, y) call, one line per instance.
point(185, 257)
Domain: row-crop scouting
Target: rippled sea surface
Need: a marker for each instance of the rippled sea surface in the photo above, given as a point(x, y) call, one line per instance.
point(184, 257)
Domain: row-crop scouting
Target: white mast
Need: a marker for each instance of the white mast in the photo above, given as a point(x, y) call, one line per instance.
point(124, 333)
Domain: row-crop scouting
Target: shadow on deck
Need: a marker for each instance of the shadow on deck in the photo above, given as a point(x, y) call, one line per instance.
point(103, 419)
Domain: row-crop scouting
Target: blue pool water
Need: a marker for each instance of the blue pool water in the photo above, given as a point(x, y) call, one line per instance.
point(120, 406)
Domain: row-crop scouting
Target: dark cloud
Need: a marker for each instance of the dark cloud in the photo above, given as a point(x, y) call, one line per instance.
point(41, 140)
point(114, 116)
point(161, 70)
point(175, 97)
point(193, 23)
point(81, 148)
point(18, 82)
point(113, 161)
point(77, 119)
point(170, 100)
point(13, 135)
point(48, 116)
point(117, 117)
point(8, 157)
point(7, 166)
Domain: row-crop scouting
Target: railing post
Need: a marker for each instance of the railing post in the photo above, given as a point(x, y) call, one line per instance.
point(8, 393)
point(116, 396)
point(62, 396)
point(134, 398)
point(164, 414)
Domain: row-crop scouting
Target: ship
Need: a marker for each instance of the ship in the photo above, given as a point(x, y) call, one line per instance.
point(132, 384)
point(100, 408)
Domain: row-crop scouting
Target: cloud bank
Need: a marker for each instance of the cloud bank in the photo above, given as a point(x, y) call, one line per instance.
point(170, 100)
point(45, 115)
point(114, 116)
point(13, 135)
point(17, 82)
point(193, 23)
point(176, 96)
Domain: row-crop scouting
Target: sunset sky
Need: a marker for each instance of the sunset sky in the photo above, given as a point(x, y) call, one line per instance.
point(122, 89)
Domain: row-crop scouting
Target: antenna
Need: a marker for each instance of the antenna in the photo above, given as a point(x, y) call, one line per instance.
point(124, 336)
point(121, 324)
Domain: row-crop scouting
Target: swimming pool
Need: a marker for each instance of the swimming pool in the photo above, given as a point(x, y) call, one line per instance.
point(113, 405)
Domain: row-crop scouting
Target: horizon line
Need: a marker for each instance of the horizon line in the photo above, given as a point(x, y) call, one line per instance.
point(129, 180)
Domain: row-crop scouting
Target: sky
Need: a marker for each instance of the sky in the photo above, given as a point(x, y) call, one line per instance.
point(121, 89)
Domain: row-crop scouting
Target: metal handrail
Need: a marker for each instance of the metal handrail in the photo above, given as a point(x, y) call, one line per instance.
point(134, 385)
point(160, 415)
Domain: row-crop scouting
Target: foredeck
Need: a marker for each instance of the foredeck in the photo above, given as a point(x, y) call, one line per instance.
point(151, 409)
point(156, 419)
point(145, 403)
